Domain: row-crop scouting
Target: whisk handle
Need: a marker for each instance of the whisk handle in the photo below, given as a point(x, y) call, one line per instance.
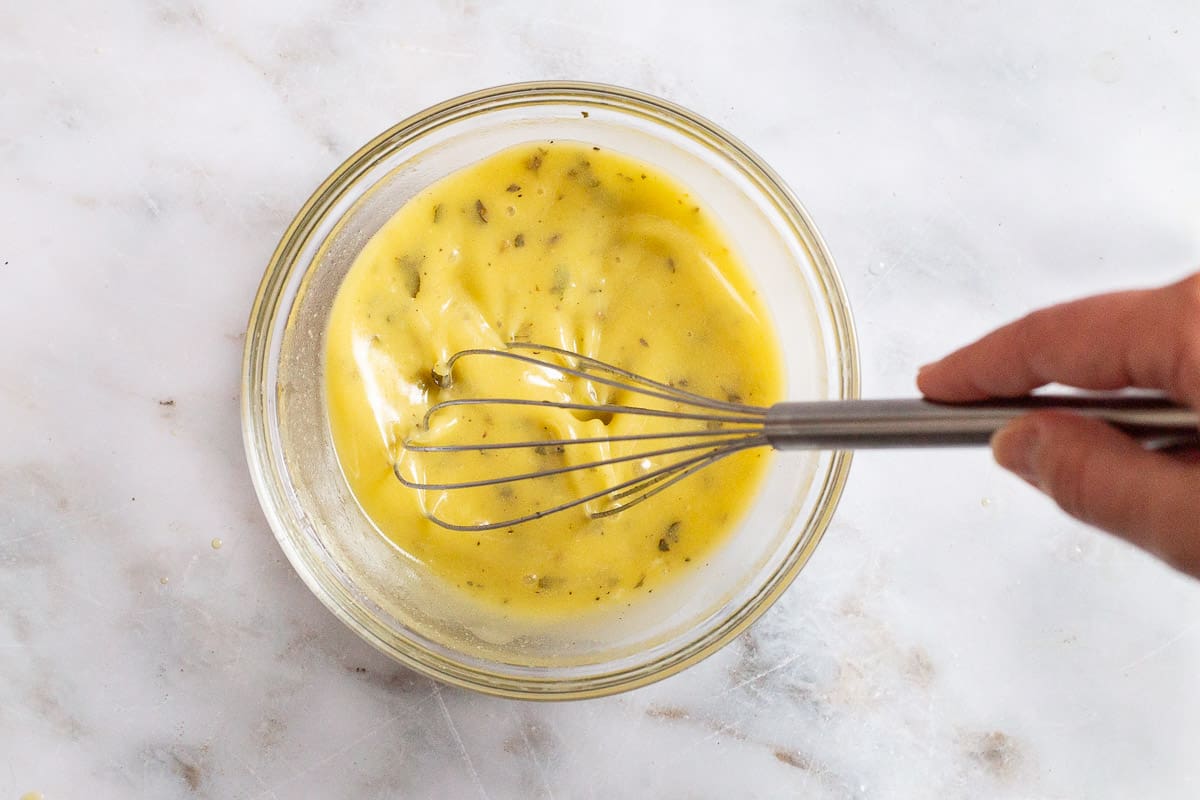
point(869, 424)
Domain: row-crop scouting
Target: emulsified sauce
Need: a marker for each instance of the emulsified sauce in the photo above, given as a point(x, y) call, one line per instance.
point(567, 245)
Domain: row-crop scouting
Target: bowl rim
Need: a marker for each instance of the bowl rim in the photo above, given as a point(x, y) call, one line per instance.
point(263, 315)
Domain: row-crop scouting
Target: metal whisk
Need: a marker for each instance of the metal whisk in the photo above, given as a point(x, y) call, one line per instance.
point(719, 429)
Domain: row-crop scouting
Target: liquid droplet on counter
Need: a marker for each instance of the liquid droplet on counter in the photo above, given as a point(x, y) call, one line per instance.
point(216, 544)
point(985, 502)
point(33, 796)
point(164, 580)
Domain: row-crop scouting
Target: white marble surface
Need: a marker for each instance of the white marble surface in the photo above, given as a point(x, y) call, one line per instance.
point(954, 636)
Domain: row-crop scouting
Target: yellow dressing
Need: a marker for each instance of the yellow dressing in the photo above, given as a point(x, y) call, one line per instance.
point(575, 247)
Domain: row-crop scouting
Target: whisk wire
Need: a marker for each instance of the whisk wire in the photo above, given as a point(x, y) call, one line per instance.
point(629, 437)
point(624, 379)
point(728, 428)
point(595, 408)
point(547, 473)
point(674, 474)
point(666, 475)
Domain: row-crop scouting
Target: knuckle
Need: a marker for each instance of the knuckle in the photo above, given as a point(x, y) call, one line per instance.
point(1068, 490)
point(1188, 290)
point(1033, 331)
point(1187, 560)
point(1074, 476)
point(1182, 555)
point(1035, 324)
point(1188, 297)
point(1063, 477)
point(1184, 377)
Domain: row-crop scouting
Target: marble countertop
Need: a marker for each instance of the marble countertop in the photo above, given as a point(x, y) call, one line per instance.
point(954, 636)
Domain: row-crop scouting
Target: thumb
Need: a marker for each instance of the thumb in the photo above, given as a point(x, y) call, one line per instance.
point(1103, 477)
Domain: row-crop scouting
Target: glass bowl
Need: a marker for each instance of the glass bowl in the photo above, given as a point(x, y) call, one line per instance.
point(388, 599)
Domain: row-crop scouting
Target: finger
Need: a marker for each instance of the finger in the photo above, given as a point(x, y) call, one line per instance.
point(1187, 454)
point(1101, 476)
point(1148, 339)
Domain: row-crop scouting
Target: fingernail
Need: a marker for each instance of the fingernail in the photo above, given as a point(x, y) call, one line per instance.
point(1015, 447)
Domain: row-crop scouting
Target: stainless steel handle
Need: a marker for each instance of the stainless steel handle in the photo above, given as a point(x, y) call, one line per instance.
point(860, 424)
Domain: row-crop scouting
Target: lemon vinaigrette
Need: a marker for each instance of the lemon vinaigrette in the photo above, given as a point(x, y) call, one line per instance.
point(563, 244)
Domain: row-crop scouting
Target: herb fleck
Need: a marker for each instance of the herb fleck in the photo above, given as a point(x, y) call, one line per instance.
point(437, 213)
point(512, 187)
point(519, 241)
point(670, 536)
point(481, 211)
point(562, 278)
point(642, 341)
point(410, 273)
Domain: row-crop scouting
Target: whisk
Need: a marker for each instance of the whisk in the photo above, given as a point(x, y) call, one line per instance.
point(720, 429)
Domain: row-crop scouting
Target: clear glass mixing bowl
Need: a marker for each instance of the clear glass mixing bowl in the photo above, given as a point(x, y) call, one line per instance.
point(389, 600)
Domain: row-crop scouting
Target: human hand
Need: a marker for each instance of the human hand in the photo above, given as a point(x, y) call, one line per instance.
point(1148, 339)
